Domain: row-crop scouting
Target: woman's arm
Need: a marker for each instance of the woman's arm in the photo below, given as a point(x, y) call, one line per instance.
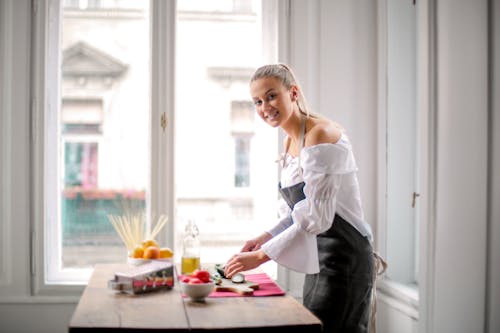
point(255, 243)
point(244, 261)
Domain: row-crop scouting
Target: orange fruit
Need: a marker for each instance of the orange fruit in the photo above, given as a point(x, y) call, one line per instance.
point(138, 252)
point(149, 242)
point(151, 252)
point(166, 252)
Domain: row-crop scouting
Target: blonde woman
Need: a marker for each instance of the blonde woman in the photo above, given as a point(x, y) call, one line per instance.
point(321, 231)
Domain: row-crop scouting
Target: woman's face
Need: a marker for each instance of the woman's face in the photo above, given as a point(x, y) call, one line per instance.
point(273, 101)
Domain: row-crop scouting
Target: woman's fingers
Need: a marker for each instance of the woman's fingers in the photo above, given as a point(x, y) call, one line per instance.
point(244, 261)
point(233, 266)
point(250, 245)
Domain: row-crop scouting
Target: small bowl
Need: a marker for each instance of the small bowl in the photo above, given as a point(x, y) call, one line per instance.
point(197, 292)
point(137, 261)
point(140, 261)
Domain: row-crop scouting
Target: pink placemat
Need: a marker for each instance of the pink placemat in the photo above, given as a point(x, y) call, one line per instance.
point(267, 287)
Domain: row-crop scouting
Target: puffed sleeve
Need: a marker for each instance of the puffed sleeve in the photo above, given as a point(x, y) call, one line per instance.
point(323, 166)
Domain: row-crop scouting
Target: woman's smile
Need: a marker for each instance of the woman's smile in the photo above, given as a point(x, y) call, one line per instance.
point(271, 115)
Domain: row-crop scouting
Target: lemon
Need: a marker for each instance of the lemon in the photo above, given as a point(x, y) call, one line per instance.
point(138, 252)
point(149, 242)
point(166, 252)
point(151, 252)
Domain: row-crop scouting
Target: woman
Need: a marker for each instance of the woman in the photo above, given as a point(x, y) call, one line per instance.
point(322, 231)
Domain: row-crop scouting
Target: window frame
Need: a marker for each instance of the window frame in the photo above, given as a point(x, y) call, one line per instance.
point(406, 295)
point(46, 72)
point(414, 303)
point(45, 69)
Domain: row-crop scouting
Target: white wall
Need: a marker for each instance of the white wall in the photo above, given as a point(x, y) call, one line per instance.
point(334, 57)
point(493, 286)
point(14, 148)
point(35, 317)
point(462, 293)
point(461, 189)
point(332, 49)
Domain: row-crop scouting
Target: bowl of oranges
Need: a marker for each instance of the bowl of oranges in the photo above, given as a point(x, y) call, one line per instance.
point(149, 250)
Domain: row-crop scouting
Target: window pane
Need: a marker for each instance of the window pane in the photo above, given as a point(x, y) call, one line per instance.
point(225, 172)
point(402, 225)
point(104, 119)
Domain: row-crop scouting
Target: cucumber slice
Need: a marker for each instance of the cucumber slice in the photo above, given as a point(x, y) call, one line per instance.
point(238, 278)
point(220, 269)
point(217, 278)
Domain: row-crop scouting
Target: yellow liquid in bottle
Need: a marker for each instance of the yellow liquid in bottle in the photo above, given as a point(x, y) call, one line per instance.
point(189, 264)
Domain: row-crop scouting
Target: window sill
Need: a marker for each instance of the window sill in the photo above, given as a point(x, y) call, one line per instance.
point(69, 299)
point(403, 297)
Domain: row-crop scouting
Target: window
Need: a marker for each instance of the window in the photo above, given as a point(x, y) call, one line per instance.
point(81, 134)
point(242, 129)
point(98, 138)
point(106, 150)
point(242, 161)
point(401, 194)
point(218, 181)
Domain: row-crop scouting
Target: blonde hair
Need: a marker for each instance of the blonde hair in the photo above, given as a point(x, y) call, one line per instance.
point(285, 75)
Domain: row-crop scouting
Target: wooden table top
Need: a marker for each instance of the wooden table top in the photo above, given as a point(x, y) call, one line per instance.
point(103, 310)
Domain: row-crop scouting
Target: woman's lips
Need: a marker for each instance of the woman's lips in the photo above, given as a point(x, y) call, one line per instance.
point(272, 115)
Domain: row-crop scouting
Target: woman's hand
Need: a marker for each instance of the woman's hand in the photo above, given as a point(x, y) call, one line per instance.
point(244, 261)
point(255, 243)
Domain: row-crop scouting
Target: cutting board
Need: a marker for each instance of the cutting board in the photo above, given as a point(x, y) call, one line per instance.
point(245, 288)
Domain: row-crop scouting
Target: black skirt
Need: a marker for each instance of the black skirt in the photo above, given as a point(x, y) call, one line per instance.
point(340, 293)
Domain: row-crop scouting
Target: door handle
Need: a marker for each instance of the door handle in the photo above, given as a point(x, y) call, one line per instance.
point(163, 121)
point(413, 201)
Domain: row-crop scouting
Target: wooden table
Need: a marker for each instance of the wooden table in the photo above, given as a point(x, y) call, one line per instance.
point(104, 310)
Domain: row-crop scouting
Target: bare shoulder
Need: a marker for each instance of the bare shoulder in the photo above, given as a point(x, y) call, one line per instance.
point(323, 131)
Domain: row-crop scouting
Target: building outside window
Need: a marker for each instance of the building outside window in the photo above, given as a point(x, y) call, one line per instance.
point(242, 130)
point(103, 146)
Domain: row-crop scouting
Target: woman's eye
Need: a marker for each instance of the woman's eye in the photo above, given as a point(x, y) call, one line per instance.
point(257, 103)
point(270, 97)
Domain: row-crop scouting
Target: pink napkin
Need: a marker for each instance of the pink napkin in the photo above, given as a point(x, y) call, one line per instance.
point(267, 287)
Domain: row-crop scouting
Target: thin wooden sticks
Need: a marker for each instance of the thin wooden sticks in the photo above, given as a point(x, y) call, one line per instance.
point(133, 229)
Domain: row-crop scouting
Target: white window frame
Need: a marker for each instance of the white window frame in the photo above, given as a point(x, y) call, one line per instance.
point(46, 75)
point(46, 69)
point(406, 296)
point(414, 303)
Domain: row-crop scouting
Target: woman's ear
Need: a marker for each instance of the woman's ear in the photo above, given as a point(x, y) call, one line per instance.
point(294, 93)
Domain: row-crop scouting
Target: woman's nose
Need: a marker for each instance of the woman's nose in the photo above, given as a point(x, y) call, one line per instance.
point(265, 105)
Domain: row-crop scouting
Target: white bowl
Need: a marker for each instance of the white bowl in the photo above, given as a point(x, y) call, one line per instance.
point(140, 261)
point(197, 292)
point(137, 261)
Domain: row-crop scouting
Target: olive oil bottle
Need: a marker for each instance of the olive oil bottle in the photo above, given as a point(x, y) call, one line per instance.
point(191, 249)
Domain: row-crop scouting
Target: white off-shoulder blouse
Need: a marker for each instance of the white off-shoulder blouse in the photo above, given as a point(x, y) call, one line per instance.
point(331, 186)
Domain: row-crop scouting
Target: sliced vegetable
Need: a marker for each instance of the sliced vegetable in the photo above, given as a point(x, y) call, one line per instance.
point(217, 278)
point(220, 269)
point(238, 278)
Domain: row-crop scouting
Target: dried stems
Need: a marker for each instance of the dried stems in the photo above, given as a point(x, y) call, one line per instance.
point(133, 229)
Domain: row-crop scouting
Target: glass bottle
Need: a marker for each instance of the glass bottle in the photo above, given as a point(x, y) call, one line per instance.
point(190, 249)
